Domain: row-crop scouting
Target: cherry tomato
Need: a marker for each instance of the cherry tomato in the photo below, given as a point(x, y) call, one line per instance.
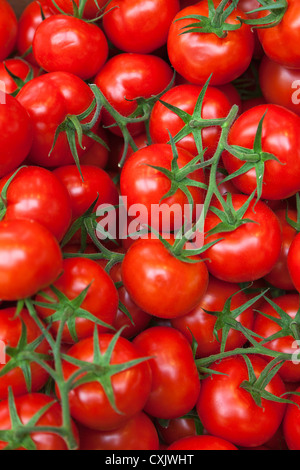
point(8, 29)
point(18, 67)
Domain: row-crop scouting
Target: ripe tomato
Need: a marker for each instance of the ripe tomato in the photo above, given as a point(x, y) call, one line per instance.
point(30, 259)
point(200, 325)
point(63, 44)
point(97, 155)
point(131, 388)
point(172, 364)
point(176, 429)
point(197, 55)
point(136, 26)
point(228, 411)
point(91, 10)
point(8, 29)
point(15, 134)
point(293, 262)
point(138, 433)
point(202, 443)
point(18, 67)
point(291, 423)
point(101, 300)
point(36, 193)
point(149, 269)
point(162, 121)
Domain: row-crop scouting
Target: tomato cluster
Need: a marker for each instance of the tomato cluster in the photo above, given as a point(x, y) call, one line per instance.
point(150, 225)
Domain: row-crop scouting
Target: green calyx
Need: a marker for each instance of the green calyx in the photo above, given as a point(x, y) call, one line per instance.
point(78, 10)
point(276, 10)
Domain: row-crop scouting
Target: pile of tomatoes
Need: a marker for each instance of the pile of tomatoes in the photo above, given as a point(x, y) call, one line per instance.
point(150, 338)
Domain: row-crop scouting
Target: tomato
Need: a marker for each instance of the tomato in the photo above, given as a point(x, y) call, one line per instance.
point(284, 89)
point(265, 328)
point(228, 411)
point(138, 433)
point(8, 29)
point(101, 300)
point(197, 55)
point(30, 19)
point(280, 41)
point(291, 423)
point(18, 67)
point(175, 380)
point(200, 325)
point(26, 266)
point(36, 193)
point(131, 388)
point(149, 269)
point(62, 44)
point(202, 443)
point(16, 134)
point(49, 100)
point(27, 407)
point(91, 10)
point(164, 121)
point(126, 77)
point(136, 26)
point(280, 137)
point(97, 155)
point(10, 335)
point(226, 257)
point(176, 429)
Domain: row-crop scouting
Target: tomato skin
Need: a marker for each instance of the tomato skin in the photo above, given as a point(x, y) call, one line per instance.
point(138, 433)
point(8, 29)
point(176, 429)
point(15, 138)
point(10, 334)
point(200, 325)
point(36, 193)
point(101, 300)
point(294, 262)
point(265, 327)
point(62, 44)
point(140, 27)
point(88, 402)
point(148, 269)
point(197, 55)
point(98, 155)
point(18, 67)
point(91, 10)
point(29, 405)
point(172, 363)
point(226, 257)
point(291, 423)
point(229, 412)
point(202, 443)
point(27, 267)
point(162, 120)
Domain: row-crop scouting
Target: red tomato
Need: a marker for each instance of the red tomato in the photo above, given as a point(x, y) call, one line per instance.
point(294, 262)
point(97, 155)
point(176, 429)
point(92, 8)
point(18, 67)
point(131, 388)
point(138, 433)
point(101, 300)
point(149, 269)
point(36, 193)
point(30, 259)
point(291, 423)
point(27, 407)
point(202, 443)
point(63, 44)
point(228, 411)
point(15, 135)
point(226, 257)
point(8, 29)
point(136, 26)
point(162, 121)
point(197, 55)
point(175, 379)
point(200, 325)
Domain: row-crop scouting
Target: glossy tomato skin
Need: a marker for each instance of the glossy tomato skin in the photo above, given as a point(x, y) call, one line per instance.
point(149, 269)
point(280, 137)
point(29, 405)
point(265, 327)
point(89, 403)
point(18, 67)
point(176, 429)
point(101, 300)
point(36, 193)
point(138, 433)
point(63, 44)
point(27, 267)
point(202, 443)
point(198, 55)
point(294, 262)
point(10, 334)
point(291, 423)
point(200, 325)
point(126, 77)
point(8, 29)
point(16, 134)
point(49, 99)
point(140, 27)
point(245, 246)
point(228, 411)
point(98, 155)
point(162, 121)
point(172, 364)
